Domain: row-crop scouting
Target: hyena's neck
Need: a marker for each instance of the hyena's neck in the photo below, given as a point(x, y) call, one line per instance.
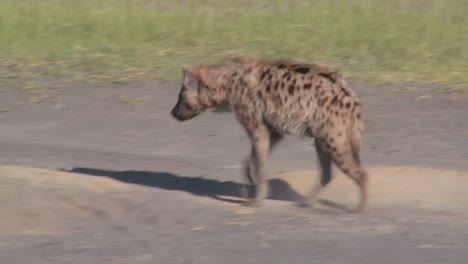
point(213, 96)
point(214, 84)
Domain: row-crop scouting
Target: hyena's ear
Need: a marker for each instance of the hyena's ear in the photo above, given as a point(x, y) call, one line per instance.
point(190, 80)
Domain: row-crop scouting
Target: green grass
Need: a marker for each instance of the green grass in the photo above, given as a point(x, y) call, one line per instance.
point(116, 40)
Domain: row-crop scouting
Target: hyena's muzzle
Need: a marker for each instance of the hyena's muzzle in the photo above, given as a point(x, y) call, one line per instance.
point(183, 112)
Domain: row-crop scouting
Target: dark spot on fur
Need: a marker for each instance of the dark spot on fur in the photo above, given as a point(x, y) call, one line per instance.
point(276, 86)
point(356, 104)
point(268, 88)
point(339, 134)
point(281, 66)
point(329, 75)
point(294, 82)
point(260, 94)
point(308, 103)
point(334, 100)
point(264, 74)
point(359, 116)
point(307, 86)
point(302, 70)
point(348, 105)
point(286, 75)
point(322, 101)
point(317, 87)
point(346, 93)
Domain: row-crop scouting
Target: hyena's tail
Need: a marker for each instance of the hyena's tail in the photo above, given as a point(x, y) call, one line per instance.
point(361, 177)
point(356, 119)
point(355, 139)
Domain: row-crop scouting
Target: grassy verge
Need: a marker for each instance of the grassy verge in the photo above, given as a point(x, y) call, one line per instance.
point(424, 40)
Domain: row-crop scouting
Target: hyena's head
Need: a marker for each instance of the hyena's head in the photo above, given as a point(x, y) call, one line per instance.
point(189, 103)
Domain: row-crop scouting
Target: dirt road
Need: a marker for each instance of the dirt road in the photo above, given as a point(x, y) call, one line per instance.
point(121, 182)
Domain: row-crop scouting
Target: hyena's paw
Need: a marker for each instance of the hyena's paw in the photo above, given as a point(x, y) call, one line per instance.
point(360, 208)
point(305, 202)
point(253, 203)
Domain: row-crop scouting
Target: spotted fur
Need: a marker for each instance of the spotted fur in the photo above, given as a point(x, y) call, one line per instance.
point(276, 98)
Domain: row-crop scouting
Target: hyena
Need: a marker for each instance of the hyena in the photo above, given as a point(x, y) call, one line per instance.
point(272, 99)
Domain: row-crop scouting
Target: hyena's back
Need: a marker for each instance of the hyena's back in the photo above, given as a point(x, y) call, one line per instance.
point(299, 99)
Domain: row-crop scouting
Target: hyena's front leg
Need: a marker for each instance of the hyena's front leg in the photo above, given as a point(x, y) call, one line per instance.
point(258, 163)
point(248, 168)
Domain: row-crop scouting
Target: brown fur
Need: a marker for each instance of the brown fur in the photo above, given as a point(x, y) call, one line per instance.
point(276, 98)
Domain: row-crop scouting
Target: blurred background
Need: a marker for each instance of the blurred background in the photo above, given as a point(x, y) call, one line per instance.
point(117, 40)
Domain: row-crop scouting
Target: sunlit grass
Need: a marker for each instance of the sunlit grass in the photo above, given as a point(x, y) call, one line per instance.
point(424, 40)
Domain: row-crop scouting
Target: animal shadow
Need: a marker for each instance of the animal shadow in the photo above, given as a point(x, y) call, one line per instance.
point(278, 189)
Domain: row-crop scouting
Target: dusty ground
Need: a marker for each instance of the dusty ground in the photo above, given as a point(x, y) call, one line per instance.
point(166, 192)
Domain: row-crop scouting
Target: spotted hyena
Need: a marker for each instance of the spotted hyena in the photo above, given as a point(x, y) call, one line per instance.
point(276, 98)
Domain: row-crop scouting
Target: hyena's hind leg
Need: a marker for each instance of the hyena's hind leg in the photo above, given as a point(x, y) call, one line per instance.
point(360, 175)
point(325, 162)
point(346, 156)
point(255, 169)
point(347, 159)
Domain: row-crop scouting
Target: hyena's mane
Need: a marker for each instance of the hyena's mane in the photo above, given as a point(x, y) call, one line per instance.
point(301, 67)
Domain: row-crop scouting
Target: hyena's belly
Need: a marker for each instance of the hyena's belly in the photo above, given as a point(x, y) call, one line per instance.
point(295, 123)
